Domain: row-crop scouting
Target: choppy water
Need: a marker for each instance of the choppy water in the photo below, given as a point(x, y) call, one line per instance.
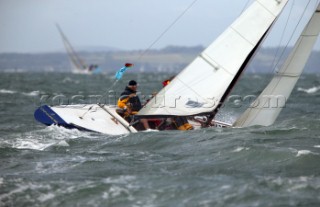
point(257, 166)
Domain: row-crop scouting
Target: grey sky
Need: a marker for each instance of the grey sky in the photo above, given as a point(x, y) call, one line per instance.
point(29, 25)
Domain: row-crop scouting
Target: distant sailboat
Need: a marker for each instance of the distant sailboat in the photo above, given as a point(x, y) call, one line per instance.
point(77, 64)
point(203, 86)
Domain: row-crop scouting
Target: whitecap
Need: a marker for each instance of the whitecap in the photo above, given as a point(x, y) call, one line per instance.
point(239, 149)
point(298, 187)
point(32, 93)
point(316, 146)
point(31, 144)
point(63, 143)
point(43, 139)
point(5, 91)
point(123, 179)
point(310, 90)
point(303, 152)
point(46, 197)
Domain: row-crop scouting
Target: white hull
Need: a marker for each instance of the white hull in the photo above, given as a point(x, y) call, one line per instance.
point(92, 117)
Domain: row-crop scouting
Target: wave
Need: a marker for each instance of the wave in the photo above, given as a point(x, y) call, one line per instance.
point(51, 136)
point(304, 152)
point(32, 93)
point(310, 90)
point(5, 91)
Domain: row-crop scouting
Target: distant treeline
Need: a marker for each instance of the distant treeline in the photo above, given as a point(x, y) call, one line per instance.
point(169, 59)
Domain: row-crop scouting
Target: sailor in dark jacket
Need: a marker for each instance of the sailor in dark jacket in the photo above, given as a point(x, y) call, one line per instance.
point(128, 98)
point(130, 102)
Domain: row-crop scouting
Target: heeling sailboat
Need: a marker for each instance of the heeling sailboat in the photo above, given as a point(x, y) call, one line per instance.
point(266, 108)
point(77, 64)
point(198, 90)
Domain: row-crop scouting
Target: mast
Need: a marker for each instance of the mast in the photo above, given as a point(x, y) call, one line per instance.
point(267, 107)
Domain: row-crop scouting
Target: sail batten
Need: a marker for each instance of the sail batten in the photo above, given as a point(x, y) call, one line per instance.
point(267, 107)
point(204, 83)
point(209, 61)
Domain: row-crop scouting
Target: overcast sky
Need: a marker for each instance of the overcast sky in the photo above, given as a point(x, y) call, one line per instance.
point(29, 25)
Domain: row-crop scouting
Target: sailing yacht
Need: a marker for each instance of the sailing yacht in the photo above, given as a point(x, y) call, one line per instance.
point(77, 64)
point(202, 87)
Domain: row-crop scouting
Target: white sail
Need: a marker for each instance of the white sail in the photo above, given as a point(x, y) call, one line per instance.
point(266, 108)
point(78, 65)
point(200, 87)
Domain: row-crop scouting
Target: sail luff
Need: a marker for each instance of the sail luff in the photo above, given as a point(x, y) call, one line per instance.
point(267, 107)
point(200, 87)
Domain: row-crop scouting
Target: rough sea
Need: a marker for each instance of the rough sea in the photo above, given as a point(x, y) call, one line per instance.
point(256, 166)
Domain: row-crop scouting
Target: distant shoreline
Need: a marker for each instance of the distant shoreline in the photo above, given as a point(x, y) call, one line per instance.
point(171, 59)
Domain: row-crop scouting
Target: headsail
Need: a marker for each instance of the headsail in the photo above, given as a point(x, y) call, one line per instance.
point(203, 84)
point(266, 108)
point(76, 61)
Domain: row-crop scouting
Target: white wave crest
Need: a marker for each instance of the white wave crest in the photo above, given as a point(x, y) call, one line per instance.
point(32, 93)
point(5, 91)
point(43, 139)
point(239, 149)
point(303, 152)
point(310, 90)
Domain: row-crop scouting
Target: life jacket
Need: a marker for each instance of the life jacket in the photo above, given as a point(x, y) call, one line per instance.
point(132, 102)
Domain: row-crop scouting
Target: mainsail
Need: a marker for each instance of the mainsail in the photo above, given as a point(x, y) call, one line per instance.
point(77, 63)
point(201, 87)
point(266, 108)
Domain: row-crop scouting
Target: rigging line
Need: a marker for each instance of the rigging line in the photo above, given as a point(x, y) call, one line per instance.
point(281, 39)
point(100, 99)
point(108, 90)
point(245, 6)
point(317, 4)
point(290, 39)
point(174, 23)
point(158, 38)
point(166, 30)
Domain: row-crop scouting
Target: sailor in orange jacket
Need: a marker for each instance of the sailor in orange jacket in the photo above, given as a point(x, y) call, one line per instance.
point(130, 102)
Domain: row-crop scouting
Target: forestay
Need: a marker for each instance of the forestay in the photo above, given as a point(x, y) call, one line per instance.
point(200, 87)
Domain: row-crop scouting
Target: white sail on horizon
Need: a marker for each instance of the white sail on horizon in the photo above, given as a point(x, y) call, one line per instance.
point(77, 64)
